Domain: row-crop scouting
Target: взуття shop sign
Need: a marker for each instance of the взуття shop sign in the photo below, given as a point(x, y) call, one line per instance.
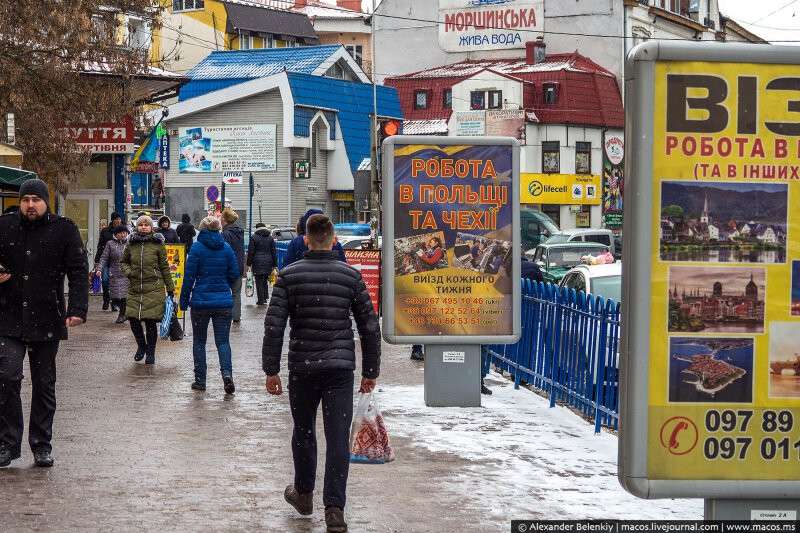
point(106, 138)
point(468, 25)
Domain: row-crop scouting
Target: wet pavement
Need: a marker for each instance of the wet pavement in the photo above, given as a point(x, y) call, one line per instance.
point(137, 450)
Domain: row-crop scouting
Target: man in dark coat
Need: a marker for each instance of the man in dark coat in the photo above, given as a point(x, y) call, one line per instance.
point(186, 232)
point(530, 270)
point(37, 249)
point(165, 229)
point(262, 258)
point(106, 234)
point(298, 246)
point(318, 293)
point(234, 236)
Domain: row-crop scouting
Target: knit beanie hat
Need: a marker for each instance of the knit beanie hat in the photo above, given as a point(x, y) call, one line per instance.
point(145, 219)
point(211, 224)
point(36, 187)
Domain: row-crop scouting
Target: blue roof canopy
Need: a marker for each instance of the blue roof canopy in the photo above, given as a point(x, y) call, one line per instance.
point(222, 69)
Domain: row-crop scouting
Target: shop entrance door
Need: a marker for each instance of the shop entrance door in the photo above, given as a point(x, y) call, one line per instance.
point(91, 213)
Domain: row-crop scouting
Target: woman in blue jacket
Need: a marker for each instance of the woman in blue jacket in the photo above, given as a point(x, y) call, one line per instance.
point(211, 272)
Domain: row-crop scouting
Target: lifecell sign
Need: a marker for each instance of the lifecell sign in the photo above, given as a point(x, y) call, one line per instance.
point(105, 138)
point(469, 25)
point(560, 189)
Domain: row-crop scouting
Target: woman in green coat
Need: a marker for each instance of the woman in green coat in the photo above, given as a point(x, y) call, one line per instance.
point(144, 262)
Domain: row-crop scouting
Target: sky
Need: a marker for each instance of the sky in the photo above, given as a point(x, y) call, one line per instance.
point(734, 280)
point(771, 19)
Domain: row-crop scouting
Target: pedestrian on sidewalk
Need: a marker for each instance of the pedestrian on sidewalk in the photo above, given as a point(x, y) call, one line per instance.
point(165, 229)
point(317, 294)
point(110, 261)
point(234, 236)
point(211, 271)
point(144, 263)
point(186, 232)
point(297, 247)
point(106, 235)
point(37, 249)
point(262, 258)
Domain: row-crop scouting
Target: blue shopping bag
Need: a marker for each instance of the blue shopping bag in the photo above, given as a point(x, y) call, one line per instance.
point(166, 320)
point(97, 284)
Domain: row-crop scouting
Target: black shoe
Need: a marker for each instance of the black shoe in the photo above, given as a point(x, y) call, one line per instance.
point(198, 386)
point(43, 459)
point(120, 319)
point(6, 456)
point(230, 388)
point(114, 308)
point(139, 355)
point(303, 503)
point(334, 519)
point(150, 360)
point(237, 322)
point(261, 303)
point(105, 306)
point(486, 390)
point(417, 355)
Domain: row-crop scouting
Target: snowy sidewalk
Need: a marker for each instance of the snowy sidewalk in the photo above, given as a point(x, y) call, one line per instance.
point(524, 459)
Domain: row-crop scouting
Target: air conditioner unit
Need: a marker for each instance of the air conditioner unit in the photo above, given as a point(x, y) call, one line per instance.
point(709, 23)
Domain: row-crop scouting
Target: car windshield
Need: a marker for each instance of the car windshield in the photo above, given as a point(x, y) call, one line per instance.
point(608, 287)
point(558, 239)
point(569, 257)
point(284, 235)
point(352, 230)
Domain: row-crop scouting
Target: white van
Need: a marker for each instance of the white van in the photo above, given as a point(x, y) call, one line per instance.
point(598, 235)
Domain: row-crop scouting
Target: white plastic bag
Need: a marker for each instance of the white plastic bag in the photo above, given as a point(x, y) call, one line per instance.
point(369, 439)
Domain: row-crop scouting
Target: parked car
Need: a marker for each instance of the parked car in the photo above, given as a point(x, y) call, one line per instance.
point(598, 235)
point(283, 234)
point(556, 259)
point(598, 280)
point(347, 232)
point(536, 226)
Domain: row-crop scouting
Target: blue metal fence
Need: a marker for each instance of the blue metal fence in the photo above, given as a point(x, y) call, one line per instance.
point(282, 247)
point(568, 349)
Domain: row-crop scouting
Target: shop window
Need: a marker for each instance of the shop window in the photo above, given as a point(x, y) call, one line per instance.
point(550, 93)
point(187, 5)
point(477, 100)
point(447, 99)
point(421, 99)
point(495, 100)
point(583, 158)
point(98, 175)
point(551, 157)
point(553, 211)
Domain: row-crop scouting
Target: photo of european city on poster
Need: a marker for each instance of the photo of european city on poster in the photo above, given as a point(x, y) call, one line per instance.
point(453, 252)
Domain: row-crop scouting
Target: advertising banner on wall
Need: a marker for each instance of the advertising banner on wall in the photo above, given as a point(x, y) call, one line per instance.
point(613, 179)
point(506, 123)
point(176, 259)
point(711, 377)
point(470, 123)
point(248, 148)
point(451, 240)
point(560, 189)
point(470, 25)
point(368, 262)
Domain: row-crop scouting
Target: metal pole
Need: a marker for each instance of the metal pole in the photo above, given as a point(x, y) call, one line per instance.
point(250, 211)
point(375, 200)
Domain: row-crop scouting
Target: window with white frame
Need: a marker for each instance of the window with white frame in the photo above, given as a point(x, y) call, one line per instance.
point(583, 158)
point(357, 51)
point(187, 5)
point(138, 34)
point(495, 100)
point(551, 157)
point(269, 41)
point(245, 41)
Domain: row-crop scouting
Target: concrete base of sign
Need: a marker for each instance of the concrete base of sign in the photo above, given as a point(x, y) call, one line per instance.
point(782, 510)
point(453, 375)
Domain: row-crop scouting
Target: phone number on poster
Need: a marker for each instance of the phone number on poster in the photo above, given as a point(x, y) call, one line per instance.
point(769, 448)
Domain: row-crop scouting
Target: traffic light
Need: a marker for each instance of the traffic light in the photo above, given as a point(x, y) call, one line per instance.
point(387, 128)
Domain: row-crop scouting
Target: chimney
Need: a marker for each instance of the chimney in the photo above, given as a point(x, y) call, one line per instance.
point(535, 51)
point(298, 4)
point(352, 5)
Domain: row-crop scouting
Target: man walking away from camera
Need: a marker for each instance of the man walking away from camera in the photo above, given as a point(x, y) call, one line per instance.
point(318, 293)
point(37, 250)
point(234, 236)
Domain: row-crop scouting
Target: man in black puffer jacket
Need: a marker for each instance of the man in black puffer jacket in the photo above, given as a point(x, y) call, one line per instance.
point(318, 293)
point(262, 257)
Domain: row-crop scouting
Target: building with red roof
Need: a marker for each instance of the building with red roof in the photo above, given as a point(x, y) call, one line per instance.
point(561, 107)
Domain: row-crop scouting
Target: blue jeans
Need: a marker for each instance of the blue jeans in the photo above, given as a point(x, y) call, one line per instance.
point(221, 320)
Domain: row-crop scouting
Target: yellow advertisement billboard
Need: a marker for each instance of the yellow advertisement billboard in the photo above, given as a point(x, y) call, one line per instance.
point(724, 361)
point(561, 189)
point(176, 259)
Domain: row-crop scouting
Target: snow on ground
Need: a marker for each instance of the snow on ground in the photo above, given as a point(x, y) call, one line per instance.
point(524, 460)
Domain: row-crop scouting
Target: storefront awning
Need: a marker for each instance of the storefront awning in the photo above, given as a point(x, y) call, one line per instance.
point(12, 178)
